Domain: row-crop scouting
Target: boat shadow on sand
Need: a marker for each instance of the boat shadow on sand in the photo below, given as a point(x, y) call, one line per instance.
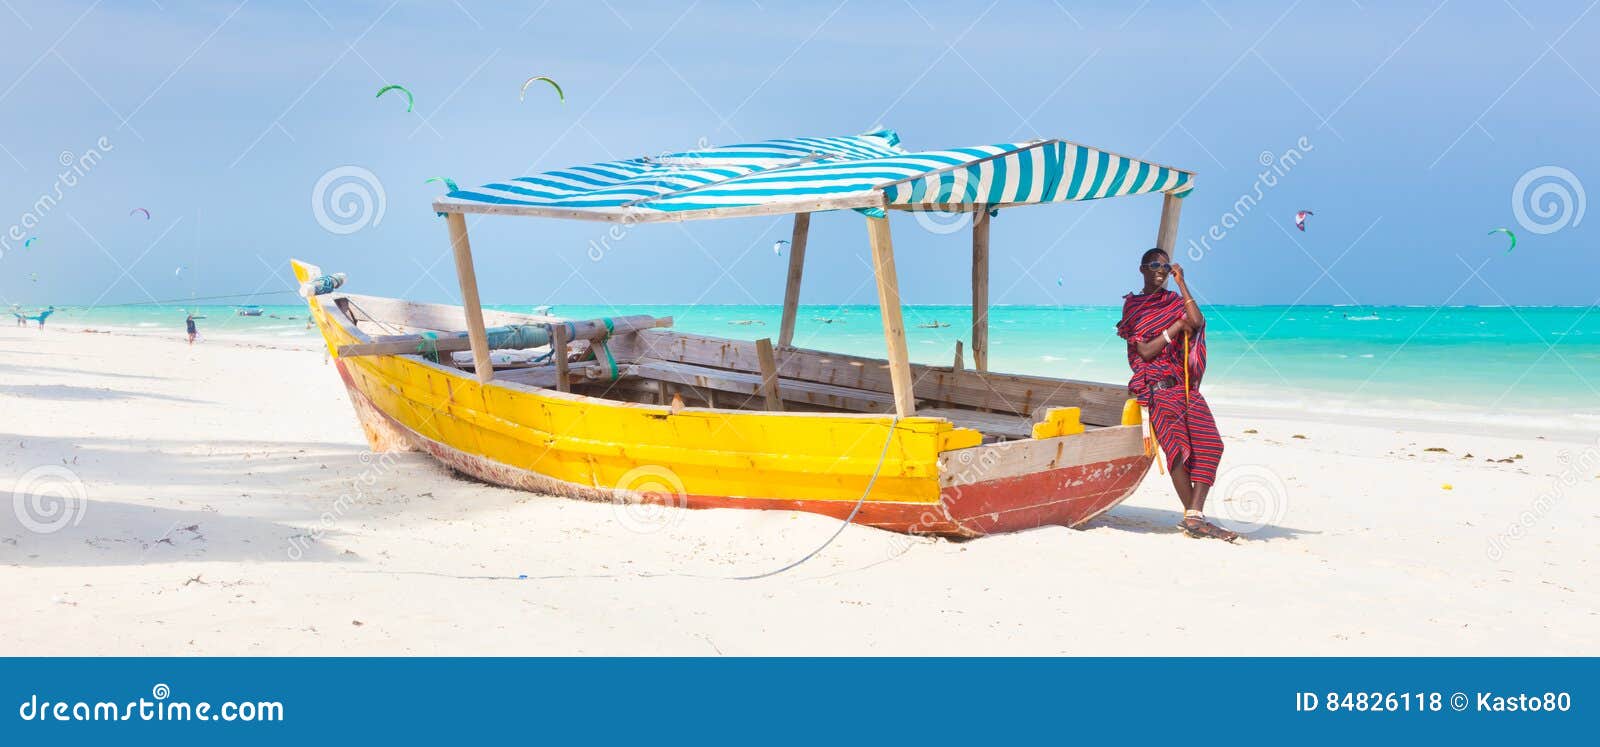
point(69, 393)
point(1142, 520)
point(110, 533)
point(48, 371)
point(95, 502)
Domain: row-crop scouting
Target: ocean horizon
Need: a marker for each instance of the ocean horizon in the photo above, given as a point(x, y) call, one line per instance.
point(1373, 360)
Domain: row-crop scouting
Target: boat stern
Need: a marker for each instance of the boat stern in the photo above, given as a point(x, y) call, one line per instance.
point(1064, 480)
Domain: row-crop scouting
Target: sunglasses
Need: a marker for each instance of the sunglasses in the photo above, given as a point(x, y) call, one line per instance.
point(1157, 266)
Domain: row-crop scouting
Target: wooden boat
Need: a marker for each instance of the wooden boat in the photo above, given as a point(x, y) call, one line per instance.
point(632, 410)
point(248, 311)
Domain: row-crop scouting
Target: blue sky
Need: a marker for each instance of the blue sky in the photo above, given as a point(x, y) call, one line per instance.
point(221, 117)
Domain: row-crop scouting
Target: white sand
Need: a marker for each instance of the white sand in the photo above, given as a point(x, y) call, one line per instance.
point(205, 470)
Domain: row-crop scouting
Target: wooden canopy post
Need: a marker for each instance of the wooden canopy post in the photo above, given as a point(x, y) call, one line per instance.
point(769, 374)
point(980, 289)
point(791, 292)
point(468, 278)
point(558, 350)
point(894, 328)
point(1167, 234)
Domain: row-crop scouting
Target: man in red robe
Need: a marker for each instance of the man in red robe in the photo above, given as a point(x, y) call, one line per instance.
point(1167, 352)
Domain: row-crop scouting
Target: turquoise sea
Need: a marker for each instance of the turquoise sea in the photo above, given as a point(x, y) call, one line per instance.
point(1373, 360)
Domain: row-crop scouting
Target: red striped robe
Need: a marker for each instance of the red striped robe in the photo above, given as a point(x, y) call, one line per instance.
point(1181, 419)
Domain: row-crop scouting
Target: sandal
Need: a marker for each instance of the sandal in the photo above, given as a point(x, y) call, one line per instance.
point(1202, 529)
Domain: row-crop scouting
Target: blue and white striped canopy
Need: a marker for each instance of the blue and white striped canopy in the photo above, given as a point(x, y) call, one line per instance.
point(868, 172)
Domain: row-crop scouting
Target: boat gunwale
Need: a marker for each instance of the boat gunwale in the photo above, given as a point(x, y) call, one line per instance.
point(327, 305)
point(326, 301)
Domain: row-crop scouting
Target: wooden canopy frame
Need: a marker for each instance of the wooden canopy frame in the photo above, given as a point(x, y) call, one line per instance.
point(883, 266)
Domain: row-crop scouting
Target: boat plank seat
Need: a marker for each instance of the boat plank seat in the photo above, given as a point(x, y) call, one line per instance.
point(1020, 394)
point(739, 382)
point(1005, 425)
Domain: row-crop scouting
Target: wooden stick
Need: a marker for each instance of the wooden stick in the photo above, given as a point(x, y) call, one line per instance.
point(769, 374)
point(791, 292)
point(1167, 234)
point(558, 351)
point(811, 204)
point(468, 278)
point(980, 289)
point(894, 328)
point(448, 343)
point(958, 365)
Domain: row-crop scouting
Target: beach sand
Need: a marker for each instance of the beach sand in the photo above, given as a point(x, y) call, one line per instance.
point(211, 522)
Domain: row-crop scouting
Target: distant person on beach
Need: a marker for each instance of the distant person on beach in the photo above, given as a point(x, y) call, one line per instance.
point(43, 315)
point(22, 319)
point(1167, 352)
point(193, 332)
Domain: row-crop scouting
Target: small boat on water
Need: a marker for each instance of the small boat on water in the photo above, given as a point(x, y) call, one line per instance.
point(248, 311)
point(628, 409)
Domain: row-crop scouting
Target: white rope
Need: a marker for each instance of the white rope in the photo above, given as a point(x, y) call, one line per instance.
point(859, 502)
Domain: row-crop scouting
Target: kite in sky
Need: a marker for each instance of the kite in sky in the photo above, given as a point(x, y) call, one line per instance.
point(410, 100)
point(137, 211)
point(1507, 232)
point(1300, 219)
point(524, 95)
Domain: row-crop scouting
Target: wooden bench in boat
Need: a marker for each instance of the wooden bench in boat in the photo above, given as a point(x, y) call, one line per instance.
point(1102, 404)
point(990, 424)
point(706, 378)
point(738, 382)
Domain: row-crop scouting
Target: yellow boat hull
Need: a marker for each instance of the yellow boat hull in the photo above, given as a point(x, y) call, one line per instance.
point(916, 474)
